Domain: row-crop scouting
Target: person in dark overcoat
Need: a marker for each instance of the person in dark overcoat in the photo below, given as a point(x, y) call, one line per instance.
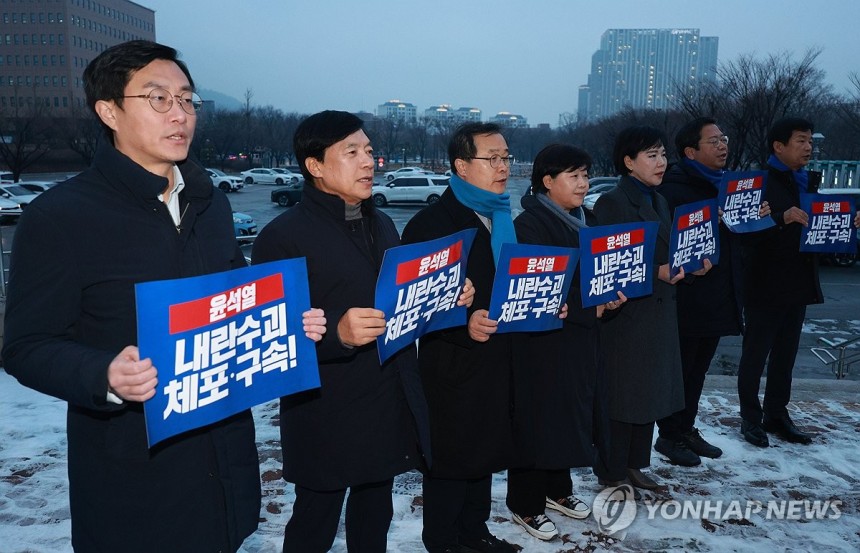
point(367, 422)
point(468, 371)
point(567, 387)
point(640, 342)
point(142, 212)
point(779, 282)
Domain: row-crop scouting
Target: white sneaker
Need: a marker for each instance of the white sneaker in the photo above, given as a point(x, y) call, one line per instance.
point(570, 506)
point(539, 526)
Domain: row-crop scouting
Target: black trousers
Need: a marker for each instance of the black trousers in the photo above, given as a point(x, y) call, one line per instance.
point(313, 526)
point(529, 488)
point(629, 447)
point(772, 335)
point(455, 509)
point(696, 356)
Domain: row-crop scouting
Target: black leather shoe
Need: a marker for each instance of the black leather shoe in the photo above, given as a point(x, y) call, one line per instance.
point(785, 429)
point(700, 447)
point(487, 544)
point(677, 452)
point(754, 434)
point(640, 480)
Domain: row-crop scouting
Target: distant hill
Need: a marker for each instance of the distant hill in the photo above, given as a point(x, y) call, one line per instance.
point(222, 101)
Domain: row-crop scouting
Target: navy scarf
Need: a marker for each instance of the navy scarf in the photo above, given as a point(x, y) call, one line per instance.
point(713, 176)
point(800, 176)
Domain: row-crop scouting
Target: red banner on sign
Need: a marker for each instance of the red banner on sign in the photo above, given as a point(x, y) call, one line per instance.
point(429, 264)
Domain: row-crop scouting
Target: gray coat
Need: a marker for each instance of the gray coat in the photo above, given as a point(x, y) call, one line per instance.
point(640, 342)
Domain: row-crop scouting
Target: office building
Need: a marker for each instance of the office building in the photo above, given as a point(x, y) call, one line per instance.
point(396, 109)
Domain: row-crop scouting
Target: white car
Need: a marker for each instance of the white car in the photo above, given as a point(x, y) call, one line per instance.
point(417, 189)
point(404, 172)
point(8, 209)
point(596, 187)
point(37, 187)
point(292, 178)
point(17, 194)
point(225, 182)
point(264, 176)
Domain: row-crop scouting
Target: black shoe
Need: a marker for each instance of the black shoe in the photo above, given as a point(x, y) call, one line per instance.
point(754, 434)
point(785, 429)
point(678, 452)
point(487, 544)
point(641, 480)
point(700, 447)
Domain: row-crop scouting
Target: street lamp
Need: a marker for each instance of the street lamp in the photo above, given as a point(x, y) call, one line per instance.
point(817, 139)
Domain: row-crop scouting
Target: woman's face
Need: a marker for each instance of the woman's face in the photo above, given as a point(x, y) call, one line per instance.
point(568, 188)
point(648, 166)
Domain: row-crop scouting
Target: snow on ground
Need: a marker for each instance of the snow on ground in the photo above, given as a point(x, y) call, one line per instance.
point(34, 514)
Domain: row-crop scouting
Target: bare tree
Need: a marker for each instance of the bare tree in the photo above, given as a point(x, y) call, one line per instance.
point(25, 132)
point(80, 130)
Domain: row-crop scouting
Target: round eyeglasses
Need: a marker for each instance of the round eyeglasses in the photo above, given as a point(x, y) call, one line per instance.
point(716, 141)
point(496, 160)
point(162, 100)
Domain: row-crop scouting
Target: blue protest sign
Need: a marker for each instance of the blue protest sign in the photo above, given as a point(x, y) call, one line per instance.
point(418, 288)
point(831, 224)
point(616, 257)
point(695, 237)
point(740, 197)
point(223, 343)
point(531, 285)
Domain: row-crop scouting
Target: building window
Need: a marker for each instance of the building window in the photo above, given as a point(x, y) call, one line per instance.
point(61, 39)
point(62, 60)
point(65, 101)
point(64, 82)
point(26, 39)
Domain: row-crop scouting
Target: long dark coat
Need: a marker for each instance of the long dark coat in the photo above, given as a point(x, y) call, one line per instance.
point(776, 272)
point(640, 342)
point(708, 305)
point(357, 427)
point(79, 250)
point(564, 368)
point(468, 384)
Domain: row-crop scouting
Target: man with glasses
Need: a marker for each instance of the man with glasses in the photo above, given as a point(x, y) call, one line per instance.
point(467, 372)
point(141, 212)
point(709, 306)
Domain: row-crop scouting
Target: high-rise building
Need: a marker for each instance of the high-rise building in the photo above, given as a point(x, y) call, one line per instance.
point(646, 68)
point(46, 44)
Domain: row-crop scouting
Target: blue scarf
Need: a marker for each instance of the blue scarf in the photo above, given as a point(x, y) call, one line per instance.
point(495, 207)
point(647, 191)
point(801, 177)
point(713, 176)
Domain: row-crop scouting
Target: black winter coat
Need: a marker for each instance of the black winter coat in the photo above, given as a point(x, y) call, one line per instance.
point(640, 342)
point(469, 385)
point(79, 249)
point(708, 305)
point(568, 387)
point(776, 272)
point(357, 428)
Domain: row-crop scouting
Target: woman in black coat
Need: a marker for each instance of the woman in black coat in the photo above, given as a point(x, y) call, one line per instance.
point(563, 365)
point(641, 351)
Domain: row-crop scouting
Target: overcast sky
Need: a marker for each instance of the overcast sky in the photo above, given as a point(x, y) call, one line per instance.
point(526, 57)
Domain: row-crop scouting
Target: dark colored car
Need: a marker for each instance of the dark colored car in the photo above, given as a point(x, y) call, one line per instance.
point(286, 196)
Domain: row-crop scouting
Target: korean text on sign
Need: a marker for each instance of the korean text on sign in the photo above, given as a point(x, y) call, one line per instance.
point(831, 224)
point(694, 237)
point(741, 195)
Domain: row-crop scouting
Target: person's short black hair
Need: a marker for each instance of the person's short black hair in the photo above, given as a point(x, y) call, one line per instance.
point(556, 159)
point(462, 143)
point(319, 131)
point(633, 140)
point(782, 130)
point(107, 75)
point(690, 135)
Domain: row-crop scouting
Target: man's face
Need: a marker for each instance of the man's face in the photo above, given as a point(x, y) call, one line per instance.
point(712, 152)
point(479, 172)
point(796, 153)
point(153, 140)
point(346, 170)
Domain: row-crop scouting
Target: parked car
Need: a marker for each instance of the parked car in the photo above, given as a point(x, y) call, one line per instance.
point(288, 195)
point(9, 210)
point(225, 182)
point(263, 176)
point(294, 169)
point(404, 172)
point(37, 187)
point(596, 187)
point(289, 176)
point(6, 178)
point(420, 188)
point(17, 194)
point(243, 225)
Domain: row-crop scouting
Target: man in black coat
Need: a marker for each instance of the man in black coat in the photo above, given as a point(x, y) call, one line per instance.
point(468, 372)
point(709, 306)
point(141, 212)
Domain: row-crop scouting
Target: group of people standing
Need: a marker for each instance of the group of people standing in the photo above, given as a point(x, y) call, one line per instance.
point(465, 403)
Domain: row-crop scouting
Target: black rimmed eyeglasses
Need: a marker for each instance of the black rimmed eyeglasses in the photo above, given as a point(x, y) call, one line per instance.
point(161, 100)
point(496, 160)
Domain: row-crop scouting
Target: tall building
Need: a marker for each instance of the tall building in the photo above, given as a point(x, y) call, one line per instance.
point(646, 68)
point(396, 109)
point(46, 44)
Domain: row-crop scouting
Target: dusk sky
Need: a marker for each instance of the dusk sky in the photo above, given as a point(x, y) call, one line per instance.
point(526, 57)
